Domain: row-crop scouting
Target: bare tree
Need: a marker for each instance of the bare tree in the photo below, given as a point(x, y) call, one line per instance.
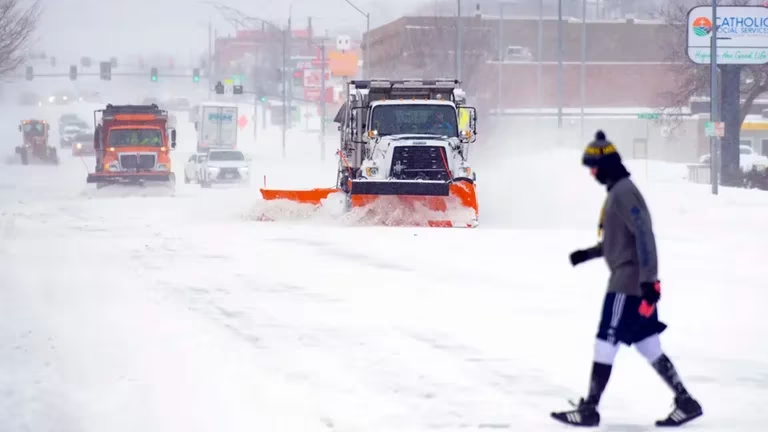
point(740, 85)
point(17, 24)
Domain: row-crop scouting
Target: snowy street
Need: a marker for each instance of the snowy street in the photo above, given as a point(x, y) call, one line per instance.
point(123, 312)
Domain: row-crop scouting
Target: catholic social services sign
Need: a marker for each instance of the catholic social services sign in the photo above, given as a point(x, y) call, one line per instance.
point(742, 34)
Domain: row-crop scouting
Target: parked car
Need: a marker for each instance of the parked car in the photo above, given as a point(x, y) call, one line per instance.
point(748, 159)
point(192, 167)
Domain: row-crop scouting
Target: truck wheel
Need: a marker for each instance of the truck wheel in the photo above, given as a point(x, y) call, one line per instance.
point(186, 179)
point(24, 156)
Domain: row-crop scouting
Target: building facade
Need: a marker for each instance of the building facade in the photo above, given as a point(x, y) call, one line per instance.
point(627, 61)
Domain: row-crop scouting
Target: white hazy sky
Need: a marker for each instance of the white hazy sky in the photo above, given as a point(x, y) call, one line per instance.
point(103, 28)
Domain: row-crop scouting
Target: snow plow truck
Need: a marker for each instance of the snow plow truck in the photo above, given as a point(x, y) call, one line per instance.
point(35, 143)
point(133, 145)
point(403, 156)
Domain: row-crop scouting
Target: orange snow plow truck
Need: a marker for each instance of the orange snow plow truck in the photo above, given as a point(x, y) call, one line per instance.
point(132, 146)
point(403, 158)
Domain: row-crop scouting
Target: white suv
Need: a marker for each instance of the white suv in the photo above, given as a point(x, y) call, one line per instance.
point(224, 166)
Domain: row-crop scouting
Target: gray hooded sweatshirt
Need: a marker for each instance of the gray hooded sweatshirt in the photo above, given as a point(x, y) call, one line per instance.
point(628, 243)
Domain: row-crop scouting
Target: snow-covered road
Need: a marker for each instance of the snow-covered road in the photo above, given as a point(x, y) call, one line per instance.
point(125, 313)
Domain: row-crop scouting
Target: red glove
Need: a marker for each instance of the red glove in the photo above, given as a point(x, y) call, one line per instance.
point(651, 294)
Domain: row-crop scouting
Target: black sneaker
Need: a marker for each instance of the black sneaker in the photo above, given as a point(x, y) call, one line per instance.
point(584, 415)
point(686, 409)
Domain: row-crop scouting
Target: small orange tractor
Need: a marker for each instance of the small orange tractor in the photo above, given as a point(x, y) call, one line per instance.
point(133, 145)
point(35, 143)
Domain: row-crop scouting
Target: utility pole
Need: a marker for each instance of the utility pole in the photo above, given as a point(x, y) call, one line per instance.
point(714, 158)
point(559, 65)
point(285, 86)
point(366, 53)
point(540, 55)
point(289, 97)
point(582, 76)
point(322, 101)
point(459, 48)
point(501, 57)
point(209, 69)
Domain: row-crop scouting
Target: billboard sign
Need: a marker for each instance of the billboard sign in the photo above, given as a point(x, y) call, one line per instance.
point(742, 34)
point(313, 77)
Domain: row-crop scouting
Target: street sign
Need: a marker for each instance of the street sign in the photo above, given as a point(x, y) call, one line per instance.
point(242, 121)
point(343, 63)
point(319, 63)
point(312, 94)
point(648, 116)
point(343, 43)
point(305, 64)
point(313, 77)
point(714, 129)
point(742, 34)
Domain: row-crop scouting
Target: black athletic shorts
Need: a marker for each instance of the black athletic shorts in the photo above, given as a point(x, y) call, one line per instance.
point(621, 320)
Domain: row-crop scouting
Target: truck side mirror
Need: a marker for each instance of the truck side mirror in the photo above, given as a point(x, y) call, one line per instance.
point(19, 128)
point(173, 138)
point(195, 125)
point(96, 142)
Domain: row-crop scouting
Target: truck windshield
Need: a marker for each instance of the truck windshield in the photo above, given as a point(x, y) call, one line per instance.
point(415, 119)
point(34, 129)
point(135, 137)
point(226, 156)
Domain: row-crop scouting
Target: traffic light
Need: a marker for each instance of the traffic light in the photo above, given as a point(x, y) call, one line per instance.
point(261, 94)
point(238, 89)
point(298, 78)
point(29, 73)
point(105, 71)
point(73, 72)
point(219, 88)
point(153, 74)
point(196, 75)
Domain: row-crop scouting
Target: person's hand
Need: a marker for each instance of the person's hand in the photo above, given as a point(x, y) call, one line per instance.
point(651, 292)
point(579, 256)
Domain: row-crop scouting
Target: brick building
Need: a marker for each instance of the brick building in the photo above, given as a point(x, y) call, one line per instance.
point(625, 58)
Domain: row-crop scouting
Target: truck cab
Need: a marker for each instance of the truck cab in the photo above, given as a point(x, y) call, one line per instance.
point(408, 138)
point(133, 145)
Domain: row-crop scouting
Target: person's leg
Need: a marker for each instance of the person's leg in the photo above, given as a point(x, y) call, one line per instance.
point(602, 365)
point(650, 348)
point(686, 408)
point(606, 348)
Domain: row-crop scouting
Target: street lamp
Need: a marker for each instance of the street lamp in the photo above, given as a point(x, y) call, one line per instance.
point(365, 39)
point(501, 50)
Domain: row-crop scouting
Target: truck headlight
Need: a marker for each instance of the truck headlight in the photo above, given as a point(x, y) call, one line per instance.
point(465, 171)
point(79, 146)
point(371, 171)
point(112, 166)
point(162, 167)
point(213, 170)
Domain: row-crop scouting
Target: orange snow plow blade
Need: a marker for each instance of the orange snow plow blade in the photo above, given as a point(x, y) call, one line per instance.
point(434, 204)
point(311, 196)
